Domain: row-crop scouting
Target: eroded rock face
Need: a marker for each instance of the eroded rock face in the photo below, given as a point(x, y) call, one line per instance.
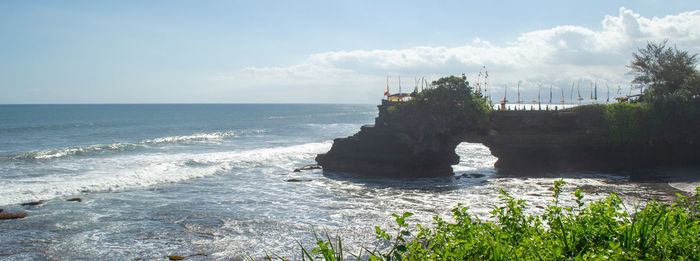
point(542, 139)
point(575, 140)
point(410, 144)
point(384, 152)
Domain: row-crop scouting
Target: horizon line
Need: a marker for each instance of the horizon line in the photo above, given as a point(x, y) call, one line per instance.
point(191, 103)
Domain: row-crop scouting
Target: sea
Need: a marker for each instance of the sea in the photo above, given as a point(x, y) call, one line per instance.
point(217, 182)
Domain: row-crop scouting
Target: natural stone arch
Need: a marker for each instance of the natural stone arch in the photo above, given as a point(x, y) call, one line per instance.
point(422, 145)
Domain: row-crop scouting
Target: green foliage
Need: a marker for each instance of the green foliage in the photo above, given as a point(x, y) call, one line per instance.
point(452, 93)
point(673, 118)
point(670, 112)
point(604, 229)
point(325, 249)
point(625, 121)
point(590, 108)
point(665, 70)
point(451, 102)
point(404, 138)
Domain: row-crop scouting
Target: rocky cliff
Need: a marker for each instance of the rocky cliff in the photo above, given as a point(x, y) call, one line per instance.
point(575, 140)
point(408, 143)
point(420, 143)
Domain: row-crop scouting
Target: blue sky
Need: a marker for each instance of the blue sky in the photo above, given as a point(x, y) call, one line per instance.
point(317, 51)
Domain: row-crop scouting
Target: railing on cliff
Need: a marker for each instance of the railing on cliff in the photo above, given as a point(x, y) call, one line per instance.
point(532, 107)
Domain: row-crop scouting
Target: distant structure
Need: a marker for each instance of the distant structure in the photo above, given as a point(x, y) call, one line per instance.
point(481, 89)
point(398, 97)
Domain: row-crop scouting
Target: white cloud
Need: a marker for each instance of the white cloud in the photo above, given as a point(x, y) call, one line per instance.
point(554, 56)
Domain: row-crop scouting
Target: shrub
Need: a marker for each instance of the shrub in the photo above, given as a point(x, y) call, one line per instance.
point(450, 103)
point(672, 119)
point(605, 229)
point(626, 121)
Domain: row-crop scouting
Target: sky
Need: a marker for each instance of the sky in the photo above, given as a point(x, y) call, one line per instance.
point(321, 51)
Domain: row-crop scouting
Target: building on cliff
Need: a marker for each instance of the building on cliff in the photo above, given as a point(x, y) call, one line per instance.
point(399, 97)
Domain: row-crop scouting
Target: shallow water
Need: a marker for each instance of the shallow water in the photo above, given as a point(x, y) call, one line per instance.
point(157, 180)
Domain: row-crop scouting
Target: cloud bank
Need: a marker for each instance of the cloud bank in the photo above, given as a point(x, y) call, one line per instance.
point(557, 56)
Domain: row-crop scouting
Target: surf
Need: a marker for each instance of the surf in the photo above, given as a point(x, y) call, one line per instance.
point(96, 149)
point(150, 169)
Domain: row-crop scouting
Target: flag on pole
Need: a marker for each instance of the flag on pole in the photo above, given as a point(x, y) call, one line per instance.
point(387, 87)
point(595, 94)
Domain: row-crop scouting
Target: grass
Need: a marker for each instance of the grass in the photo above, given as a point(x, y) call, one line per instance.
point(605, 229)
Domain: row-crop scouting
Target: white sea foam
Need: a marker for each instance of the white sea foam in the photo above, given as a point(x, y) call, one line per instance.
point(134, 171)
point(126, 146)
point(352, 209)
point(474, 158)
point(333, 125)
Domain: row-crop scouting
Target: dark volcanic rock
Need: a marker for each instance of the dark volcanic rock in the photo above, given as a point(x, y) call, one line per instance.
point(12, 215)
point(390, 153)
point(404, 145)
point(575, 140)
point(33, 203)
point(420, 144)
point(308, 167)
point(297, 180)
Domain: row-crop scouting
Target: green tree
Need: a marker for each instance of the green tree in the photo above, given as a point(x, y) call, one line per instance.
point(450, 103)
point(664, 70)
point(453, 83)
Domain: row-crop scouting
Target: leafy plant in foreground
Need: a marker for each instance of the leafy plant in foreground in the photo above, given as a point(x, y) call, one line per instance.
point(605, 229)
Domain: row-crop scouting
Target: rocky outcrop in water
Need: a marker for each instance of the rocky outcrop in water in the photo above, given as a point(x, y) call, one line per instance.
point(12, 215)
point(420, 143)
point(381, 151)
point(409, 143)
point(307, 167)
point(33, 203)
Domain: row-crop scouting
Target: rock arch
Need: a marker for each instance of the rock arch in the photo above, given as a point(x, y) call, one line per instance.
point(423, 145)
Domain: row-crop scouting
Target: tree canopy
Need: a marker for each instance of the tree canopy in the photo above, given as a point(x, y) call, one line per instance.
point(665, 70)
point(454, 83)
point(450, 101)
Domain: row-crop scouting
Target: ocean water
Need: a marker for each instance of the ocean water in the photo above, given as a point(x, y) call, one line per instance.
point(216, 181)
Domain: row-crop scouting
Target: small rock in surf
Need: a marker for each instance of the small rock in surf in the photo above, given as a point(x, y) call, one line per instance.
point(297, 180)
point(12, 215)
point(308, 167)
point(33, 203)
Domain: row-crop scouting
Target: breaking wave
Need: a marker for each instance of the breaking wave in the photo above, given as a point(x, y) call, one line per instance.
point(124, 146)
point(143, 170)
